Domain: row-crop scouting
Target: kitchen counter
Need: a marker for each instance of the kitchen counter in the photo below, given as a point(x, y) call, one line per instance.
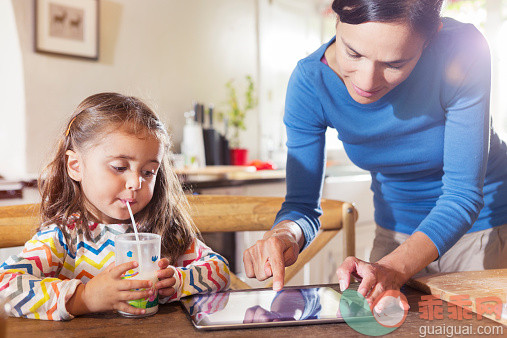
point(230, 176)
point(227, 176)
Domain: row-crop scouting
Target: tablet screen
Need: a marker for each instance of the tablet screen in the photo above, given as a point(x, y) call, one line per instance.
point(249, 308)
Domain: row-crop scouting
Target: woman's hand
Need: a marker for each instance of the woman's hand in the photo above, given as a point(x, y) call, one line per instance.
point(166, 284)
point(277, 249)
point(375, 277)
point(257, 314)
point(390, 272)
point(108, 291)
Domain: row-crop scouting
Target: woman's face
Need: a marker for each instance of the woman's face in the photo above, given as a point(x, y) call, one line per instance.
point(372, 58)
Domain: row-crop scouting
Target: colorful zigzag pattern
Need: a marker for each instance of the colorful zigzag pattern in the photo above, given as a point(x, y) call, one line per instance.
point(39, 280)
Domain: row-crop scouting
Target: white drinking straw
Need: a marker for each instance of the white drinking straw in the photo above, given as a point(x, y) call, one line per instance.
point(137, 235)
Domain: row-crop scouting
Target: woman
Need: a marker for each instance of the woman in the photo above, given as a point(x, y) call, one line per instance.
point(408, 93)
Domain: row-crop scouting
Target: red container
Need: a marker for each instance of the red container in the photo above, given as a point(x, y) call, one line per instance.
point(239, 156)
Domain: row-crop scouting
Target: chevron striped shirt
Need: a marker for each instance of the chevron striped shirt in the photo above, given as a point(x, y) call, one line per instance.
point(43, 277)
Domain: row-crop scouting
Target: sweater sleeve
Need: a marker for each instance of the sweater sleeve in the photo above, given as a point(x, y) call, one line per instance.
point(199, 270)
point(30, 281)
point(467, 79)
point(306, 130)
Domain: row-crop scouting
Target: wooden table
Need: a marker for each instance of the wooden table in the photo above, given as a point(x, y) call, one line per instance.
point(171, 321)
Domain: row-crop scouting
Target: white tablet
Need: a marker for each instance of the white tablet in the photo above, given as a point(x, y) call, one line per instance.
point(265, 307)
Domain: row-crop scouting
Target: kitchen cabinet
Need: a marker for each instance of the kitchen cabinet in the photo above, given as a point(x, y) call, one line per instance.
point(353, 187)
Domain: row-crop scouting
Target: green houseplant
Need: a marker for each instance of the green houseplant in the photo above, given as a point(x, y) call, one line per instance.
point(235, 114)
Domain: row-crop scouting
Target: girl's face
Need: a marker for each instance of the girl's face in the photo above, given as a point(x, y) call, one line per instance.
point(372, 58)
point(120, 168)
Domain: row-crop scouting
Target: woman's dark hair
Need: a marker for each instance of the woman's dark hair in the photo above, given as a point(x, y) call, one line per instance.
point(422, 15)
point(167, 213)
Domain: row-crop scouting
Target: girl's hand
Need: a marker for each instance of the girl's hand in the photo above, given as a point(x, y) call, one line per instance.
point(375, 277)
point(167, 281)
point(108, 291)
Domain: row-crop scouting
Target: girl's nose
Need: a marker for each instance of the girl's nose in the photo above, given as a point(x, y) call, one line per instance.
point(134, 182)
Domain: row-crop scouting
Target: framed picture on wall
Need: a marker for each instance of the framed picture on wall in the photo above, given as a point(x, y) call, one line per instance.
point(67, 27)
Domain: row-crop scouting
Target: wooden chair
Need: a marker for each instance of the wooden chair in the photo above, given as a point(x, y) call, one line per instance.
point(216, 214)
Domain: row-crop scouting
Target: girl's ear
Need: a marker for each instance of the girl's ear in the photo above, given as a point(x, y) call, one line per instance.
point(73, 164)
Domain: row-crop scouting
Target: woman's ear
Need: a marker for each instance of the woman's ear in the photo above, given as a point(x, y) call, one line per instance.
point(73, 164)
point(438, 30)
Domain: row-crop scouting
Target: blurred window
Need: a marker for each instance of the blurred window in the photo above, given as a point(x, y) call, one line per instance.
point(490, 17)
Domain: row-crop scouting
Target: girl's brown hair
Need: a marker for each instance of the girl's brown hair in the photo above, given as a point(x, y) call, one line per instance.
point(167, 214)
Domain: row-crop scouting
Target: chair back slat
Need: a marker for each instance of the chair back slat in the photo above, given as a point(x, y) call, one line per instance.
point(18, 224)
point(249, 213)
point(210, 213)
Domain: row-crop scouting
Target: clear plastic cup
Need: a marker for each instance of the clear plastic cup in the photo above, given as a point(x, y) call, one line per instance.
point(148, 247)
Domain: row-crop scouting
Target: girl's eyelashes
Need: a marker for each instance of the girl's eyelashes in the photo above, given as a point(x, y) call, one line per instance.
point(149, 173)
point(145, 173)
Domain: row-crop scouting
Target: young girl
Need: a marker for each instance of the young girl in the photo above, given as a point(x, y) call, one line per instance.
point(115, 150)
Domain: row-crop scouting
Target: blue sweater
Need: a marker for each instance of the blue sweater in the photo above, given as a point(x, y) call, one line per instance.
point(436, 164)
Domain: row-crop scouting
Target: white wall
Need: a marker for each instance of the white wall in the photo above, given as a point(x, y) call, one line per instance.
point(289, 30)
point(167, 52)
point(12, 109)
